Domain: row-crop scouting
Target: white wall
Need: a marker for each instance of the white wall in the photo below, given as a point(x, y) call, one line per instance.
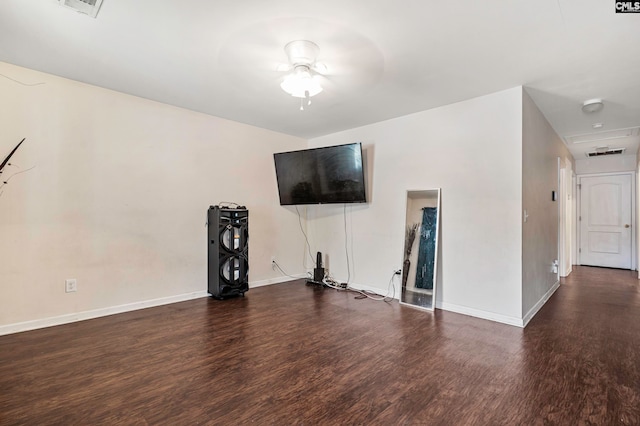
point(119, 194)
point(541, 149)
point(609, 164)
point(472, 150)
point(121, 185)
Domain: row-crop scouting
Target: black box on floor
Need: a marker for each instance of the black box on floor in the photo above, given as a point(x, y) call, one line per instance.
point(318, 274)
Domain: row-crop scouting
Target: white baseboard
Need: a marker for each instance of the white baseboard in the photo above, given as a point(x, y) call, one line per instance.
point(80, 316)
point(505, 319)
point(452, 307)
point(278, 280)
point(95, 313)
point(540, 304)
point(376, 290)
point(491, 316)
point(111, 310)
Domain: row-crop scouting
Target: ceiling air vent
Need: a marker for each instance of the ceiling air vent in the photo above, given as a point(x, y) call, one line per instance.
point(607, 151)
point(88, 7)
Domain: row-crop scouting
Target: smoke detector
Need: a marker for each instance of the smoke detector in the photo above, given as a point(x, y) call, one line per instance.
point(88, 7)
point(592, 105)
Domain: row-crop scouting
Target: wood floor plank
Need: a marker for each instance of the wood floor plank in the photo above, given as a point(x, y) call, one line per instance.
point(294, 354)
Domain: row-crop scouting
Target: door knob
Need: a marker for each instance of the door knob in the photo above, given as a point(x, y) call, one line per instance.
point(627, 225)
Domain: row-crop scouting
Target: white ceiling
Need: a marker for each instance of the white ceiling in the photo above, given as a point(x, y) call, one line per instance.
point(385, 58)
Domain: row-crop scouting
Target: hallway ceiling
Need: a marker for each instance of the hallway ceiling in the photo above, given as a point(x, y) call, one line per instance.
point(385, 59)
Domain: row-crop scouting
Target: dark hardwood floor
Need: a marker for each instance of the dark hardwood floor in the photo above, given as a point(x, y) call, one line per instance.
point(294, 354)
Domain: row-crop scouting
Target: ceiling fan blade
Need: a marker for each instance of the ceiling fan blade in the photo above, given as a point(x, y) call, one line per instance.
point(320, 68)
point(284, 67)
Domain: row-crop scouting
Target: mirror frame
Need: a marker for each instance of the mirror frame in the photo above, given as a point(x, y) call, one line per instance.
point(416, 195)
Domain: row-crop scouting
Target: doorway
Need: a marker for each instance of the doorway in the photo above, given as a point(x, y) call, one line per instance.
point(566, 218)
point(606, 218)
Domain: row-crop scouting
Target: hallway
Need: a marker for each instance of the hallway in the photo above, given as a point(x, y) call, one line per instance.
point(584, 350)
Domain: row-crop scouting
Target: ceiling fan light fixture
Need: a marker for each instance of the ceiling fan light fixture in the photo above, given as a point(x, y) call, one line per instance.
point(592, 105)
point(301, 83)
point(302, 52)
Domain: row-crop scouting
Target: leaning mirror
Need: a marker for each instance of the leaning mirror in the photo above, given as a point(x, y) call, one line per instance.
point(420, 260)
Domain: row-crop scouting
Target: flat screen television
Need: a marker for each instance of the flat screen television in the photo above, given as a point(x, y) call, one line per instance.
point(331, 174)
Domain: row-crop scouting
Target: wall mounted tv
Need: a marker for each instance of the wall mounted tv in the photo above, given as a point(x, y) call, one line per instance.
point(331, 174)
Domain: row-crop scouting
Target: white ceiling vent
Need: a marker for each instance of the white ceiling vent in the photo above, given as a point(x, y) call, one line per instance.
point(88, 7)
point(603, 136)
point(606, 151)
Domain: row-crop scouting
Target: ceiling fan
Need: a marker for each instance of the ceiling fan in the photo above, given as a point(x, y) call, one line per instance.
point(303, 79)
point(257, 59)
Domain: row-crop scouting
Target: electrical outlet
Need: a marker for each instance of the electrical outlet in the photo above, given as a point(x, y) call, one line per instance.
point(70, 285)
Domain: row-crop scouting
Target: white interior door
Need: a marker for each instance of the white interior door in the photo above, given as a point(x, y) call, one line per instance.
point(605, 221)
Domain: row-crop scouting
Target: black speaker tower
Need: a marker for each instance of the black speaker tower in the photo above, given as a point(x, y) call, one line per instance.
point(318, 271)
point(228, 243)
